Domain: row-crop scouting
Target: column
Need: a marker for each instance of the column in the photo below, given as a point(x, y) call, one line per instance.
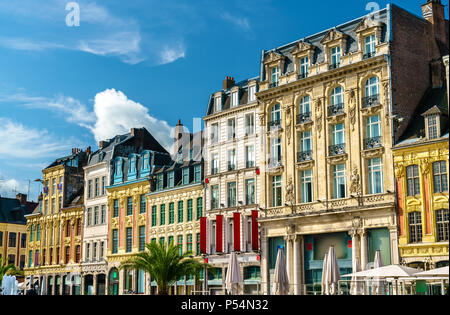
point(94, 284)
point(264, 266)
point(355, 247)
point(364, 254)
point(82, 284)
point(296, 265)
point(289, 261)
point(121, 281)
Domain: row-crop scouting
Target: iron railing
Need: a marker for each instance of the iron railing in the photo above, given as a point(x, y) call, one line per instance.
point(336, 109)
point(374, 142)
point(304, 156)
point(337, 149)
point(304, 118)
point(371, 100)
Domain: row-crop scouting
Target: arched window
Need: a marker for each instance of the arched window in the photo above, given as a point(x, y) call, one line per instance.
point(372, 87)
point(113, 285)
point(337, 96)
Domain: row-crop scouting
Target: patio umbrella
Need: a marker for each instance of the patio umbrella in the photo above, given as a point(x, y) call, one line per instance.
point(440, 272)
point(377, 284)
point(324, 275)
point(233, 278)
point(356, 286)
point(391, 271)
point(333, 275)
point(281, 280)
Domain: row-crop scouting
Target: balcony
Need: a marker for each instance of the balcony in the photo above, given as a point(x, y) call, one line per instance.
point(231, 166)
point(304, 156)
point(370, 101)
point(303, 75)
point(334, 66)
point(369, 55)
point(303, 118)
point(214, 171)
point(275, 162)
point(336, 109)
point(337, 149)
point(250, 164)
point(372, 143)
point(274, 124)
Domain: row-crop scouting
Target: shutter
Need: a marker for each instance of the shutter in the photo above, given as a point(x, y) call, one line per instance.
point(255, 230)
point(237, 231)
point(203, 231)
point(219, 233)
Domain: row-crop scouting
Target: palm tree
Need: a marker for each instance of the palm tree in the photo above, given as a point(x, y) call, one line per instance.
point(8, 270)
point(165, 264)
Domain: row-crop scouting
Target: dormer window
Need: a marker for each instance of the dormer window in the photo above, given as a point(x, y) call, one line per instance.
point(252, 93)
point(146, 161)
point(217, 104)
point(304, 67)
point(234, 99)
point(171, 179)
point(433, 123)
point(335, 54)
point(432, 127)
point(160, 182)
point(118, 172)
point(275, 78)
point(185, 173)
point(369, 46)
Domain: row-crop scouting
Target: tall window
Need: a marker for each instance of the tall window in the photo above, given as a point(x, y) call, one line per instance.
point(338, 134)
point(60, 203)
point(162, 215)
point(304, 63)
point(369, 46)
point(54, 186)
point(96, 217)
point(412, 180)
point(372, 87)
point(89, 189)
point(180, 212)
point(171, 179)
point(116, 208)
point(217, 104)
point(154, 216)
point(306, 186)
point(276, 191)
point(336, 56)
point(375, 176)
point(231, 130)
point(189, 243)
point(337, 96)
point(275, 151)
point(249, 156)
point(340, 186)
point(432, 127)
point(199, 208)
point(142, 204)
point(142, 238)
point(214, 133)
point(97, 187)
point(442, 230)
point(373, 125)
point(185, 173)
point(129, 206)
point(146, 161)
point(250, 191)
point(89, 217)
point(171, 213)
point(190, 210)
point(103, 219)
point(251, 93)
point(249, 124)
point(305, 141)
point(38, 232)
point(440, 178)
point(231, 194)
point(275, 114)
point(415, 227)
point(214, 197)
point(231, 159)
point(197, 173)
point(214, 163)
point(77, 253)
point(275, 76)
point(160, 182)
point(198, 251)
point(129, 239)
point(304, 105)
point(180, 244)
point(234, 99)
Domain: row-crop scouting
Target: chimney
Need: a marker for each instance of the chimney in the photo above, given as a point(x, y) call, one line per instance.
point(102, 144)
point(22, 198)
point(178, 135)
point(228, 83)
point(88, 151)
point(433, 12)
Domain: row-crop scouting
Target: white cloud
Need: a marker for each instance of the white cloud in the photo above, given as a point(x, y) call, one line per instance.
point(28, 45)
point(19, 141)
point(240, 22)
point(170, 54)
point(116, 114)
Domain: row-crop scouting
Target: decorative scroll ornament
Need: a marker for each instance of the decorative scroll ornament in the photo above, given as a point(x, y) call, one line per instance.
point(318, 119)
point(288, 123)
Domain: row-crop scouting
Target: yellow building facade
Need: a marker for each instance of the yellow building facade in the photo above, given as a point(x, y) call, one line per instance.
point(55, 229)
point(421, 169)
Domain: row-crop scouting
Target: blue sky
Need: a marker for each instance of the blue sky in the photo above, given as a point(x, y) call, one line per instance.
point(131, 63)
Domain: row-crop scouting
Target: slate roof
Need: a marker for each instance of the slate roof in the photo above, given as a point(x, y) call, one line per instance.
point(11, 211)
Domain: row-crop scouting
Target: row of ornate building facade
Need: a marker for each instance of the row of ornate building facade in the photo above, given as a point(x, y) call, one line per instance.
point(342, 139)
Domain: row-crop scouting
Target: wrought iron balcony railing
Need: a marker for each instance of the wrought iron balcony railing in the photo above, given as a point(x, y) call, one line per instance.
point(274, 124)
point(371, 100)
point(231, 166)
point(303, 75)
point(275, 162)
point(374, 142)
point(369, 55)
point(304, 118)
point(335, 65)
point(337, 149)
point(336, 109)
point(304, 156)
point(274, 84)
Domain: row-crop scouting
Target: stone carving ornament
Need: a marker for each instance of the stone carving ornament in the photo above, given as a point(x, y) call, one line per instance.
point(319, 116)
point(290, 192)
point(355, 186)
